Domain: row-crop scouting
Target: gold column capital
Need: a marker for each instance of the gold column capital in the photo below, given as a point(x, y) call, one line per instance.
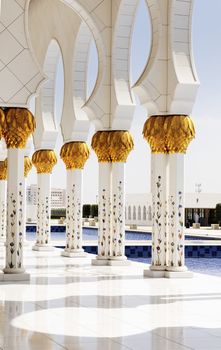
point(121, 144)
point(18, 125)
point(180, 132)
point(44, 161)
point(169, 133)
point(100, 144)
point(154, 133)
point(75, 154)
point(27, 165)
point(3, 169)
point(2, 122)
point(112, 145)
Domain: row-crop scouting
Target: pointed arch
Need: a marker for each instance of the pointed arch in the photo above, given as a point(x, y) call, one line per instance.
point(46, 132)
point(134, 213)
point(80, 69)
point(122, 49)
point(139, 213)
point(129, 212)
point(144, 213)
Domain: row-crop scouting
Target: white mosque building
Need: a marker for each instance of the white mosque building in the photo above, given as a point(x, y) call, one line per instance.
point(36, 34)
point(68, 299)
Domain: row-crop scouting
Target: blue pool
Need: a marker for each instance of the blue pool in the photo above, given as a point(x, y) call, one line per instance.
point(202, 265)
point(58, 233)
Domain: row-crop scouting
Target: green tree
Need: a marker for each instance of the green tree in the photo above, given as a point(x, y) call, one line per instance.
point(94, 210)
point(218, 213)
point(86, 210)
point(58, 213)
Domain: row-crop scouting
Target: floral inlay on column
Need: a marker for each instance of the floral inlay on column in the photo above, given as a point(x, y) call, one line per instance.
point(120, 145)
point(44, 162)
point(74, 154)
point(168, 135)
point(17, 127)
point(3, 201)
point(100, 144)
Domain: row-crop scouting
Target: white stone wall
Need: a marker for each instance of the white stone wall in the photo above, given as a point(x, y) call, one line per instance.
point(138, 209)
point(58, 197)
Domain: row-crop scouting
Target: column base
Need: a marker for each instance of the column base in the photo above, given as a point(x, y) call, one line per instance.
point(167, 272)
point(99, 261)
point(77, 253)
point(43, 248)
point(110, 261)
point(182, 273)
point(154, 273)
point(176, 268)
point(118, 261)
point(12, 277)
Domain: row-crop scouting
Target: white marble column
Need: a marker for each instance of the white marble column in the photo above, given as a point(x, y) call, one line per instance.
point(159, 170)
point(176, 242)
point(44, 161)
point(3, 199)
point(112, 148)
point(27, 168)
point(19, 125)
point(104, 215)
point(73, 246)
point(43, 232)
point(15, 212)
point(118, 213)
point(74, 154)
point(169, 137)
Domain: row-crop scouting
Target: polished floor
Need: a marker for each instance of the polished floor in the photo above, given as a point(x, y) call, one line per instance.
point(69, 304)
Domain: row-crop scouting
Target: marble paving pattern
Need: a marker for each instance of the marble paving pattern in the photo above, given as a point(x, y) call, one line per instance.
point(72, 305)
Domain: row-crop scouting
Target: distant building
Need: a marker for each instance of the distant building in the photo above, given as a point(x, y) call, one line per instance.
point(138, 209)
point(202, 206)
point(58, 200)
point(138, 206)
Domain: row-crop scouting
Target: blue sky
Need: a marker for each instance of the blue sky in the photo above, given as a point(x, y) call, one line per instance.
point(203, 163)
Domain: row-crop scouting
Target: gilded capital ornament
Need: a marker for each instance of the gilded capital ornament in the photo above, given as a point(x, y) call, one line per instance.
point(19, 124)
point(112, 146)
point(120, 145)
point(27, 166)
point(74, 154)
point(44, 161)
point(180, 132)
point(101, 145)
point(3, 169)
point(169, 134)
point(154, 133)
point(2, 122)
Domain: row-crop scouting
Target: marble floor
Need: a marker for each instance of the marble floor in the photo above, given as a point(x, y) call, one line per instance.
point(69, 304)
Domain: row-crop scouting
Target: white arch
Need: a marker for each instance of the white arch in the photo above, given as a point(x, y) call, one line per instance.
point(176, 94)
point(48, 90)
point(87, 12)
point(144, 213)
point(150, 213)
point(139, 213)
point(46, 132)
point(134, 213)
point(122, 49)
point(74, 123)
point(80, 69)
point(183, 88)
point(129, 212)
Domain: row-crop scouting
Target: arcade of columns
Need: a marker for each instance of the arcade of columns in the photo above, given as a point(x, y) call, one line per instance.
point(38, 34)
